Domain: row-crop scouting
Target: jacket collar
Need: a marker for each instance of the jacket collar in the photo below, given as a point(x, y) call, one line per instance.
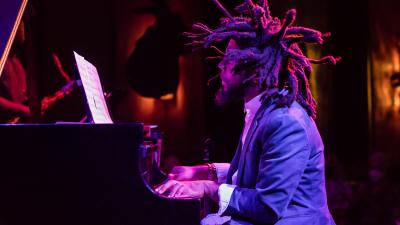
point(266, 107)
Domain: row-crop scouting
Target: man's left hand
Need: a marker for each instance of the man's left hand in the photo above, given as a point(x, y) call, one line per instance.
point(189, 189)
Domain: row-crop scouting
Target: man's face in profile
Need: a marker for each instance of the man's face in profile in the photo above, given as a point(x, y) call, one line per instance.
point(232, 87)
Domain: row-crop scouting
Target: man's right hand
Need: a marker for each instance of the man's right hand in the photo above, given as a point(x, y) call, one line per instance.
point(189, 173)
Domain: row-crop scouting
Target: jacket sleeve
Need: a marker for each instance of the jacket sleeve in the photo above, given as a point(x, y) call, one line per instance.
point(222, 171)
point(285, 152)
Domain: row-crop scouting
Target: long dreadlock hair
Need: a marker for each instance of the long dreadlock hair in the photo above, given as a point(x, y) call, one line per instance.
point(267, 48)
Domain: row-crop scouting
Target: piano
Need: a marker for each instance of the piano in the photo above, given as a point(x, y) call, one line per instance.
point(83, 174)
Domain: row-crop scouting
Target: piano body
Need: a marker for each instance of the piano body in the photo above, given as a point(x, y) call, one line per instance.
point(84, 174)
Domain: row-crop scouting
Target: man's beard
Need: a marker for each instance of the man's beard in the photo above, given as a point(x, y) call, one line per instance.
point(232, 94)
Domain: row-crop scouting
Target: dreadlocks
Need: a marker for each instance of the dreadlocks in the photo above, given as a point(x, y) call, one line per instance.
point(267, 48)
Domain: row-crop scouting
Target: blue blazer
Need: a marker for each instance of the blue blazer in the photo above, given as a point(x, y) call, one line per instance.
point(280, 168)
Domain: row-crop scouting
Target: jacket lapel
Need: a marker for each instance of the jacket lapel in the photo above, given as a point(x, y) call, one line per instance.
point(234, 164)
point(253, 127)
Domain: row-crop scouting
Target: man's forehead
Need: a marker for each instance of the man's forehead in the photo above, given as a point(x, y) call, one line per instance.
point(225, 62)
point(232, 44)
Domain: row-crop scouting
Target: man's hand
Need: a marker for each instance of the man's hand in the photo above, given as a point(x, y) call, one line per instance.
point(189, 173)
point(189, 189)
point(215, 219)
point(182, 189)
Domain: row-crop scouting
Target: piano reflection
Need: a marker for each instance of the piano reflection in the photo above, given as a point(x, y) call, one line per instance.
point(83, 174)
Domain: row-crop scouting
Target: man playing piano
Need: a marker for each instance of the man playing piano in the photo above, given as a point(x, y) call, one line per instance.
point(277, 173)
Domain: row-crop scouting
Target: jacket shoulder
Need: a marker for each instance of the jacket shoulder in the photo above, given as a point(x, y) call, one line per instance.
point(295, 114)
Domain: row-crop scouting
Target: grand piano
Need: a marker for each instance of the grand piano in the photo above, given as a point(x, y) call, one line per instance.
point(83, 174)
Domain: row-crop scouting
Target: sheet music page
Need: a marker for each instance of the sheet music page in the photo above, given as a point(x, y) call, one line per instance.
point(93, 90)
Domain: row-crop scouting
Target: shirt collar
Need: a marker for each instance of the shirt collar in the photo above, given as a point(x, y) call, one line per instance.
point(251, 107)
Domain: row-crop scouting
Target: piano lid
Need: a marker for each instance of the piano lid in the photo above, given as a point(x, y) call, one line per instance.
point(11, 12)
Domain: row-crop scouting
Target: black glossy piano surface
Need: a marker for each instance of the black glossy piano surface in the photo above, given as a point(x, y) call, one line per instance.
point(81, 174)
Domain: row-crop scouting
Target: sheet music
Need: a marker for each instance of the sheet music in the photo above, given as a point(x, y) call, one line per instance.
point(93, 90)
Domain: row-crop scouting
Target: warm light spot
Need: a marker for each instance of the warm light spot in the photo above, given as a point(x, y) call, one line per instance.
point(314, 53)
point(168, 97)
point(387, 97)
point(139, 27)
point(396, 60)
point(396, 105)
point(147, 104)
point(387, 67)
point(143, 106)
point(181, 90)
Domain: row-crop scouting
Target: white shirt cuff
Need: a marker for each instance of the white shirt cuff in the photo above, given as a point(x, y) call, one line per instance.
point(225, 193)
point(222, 171)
